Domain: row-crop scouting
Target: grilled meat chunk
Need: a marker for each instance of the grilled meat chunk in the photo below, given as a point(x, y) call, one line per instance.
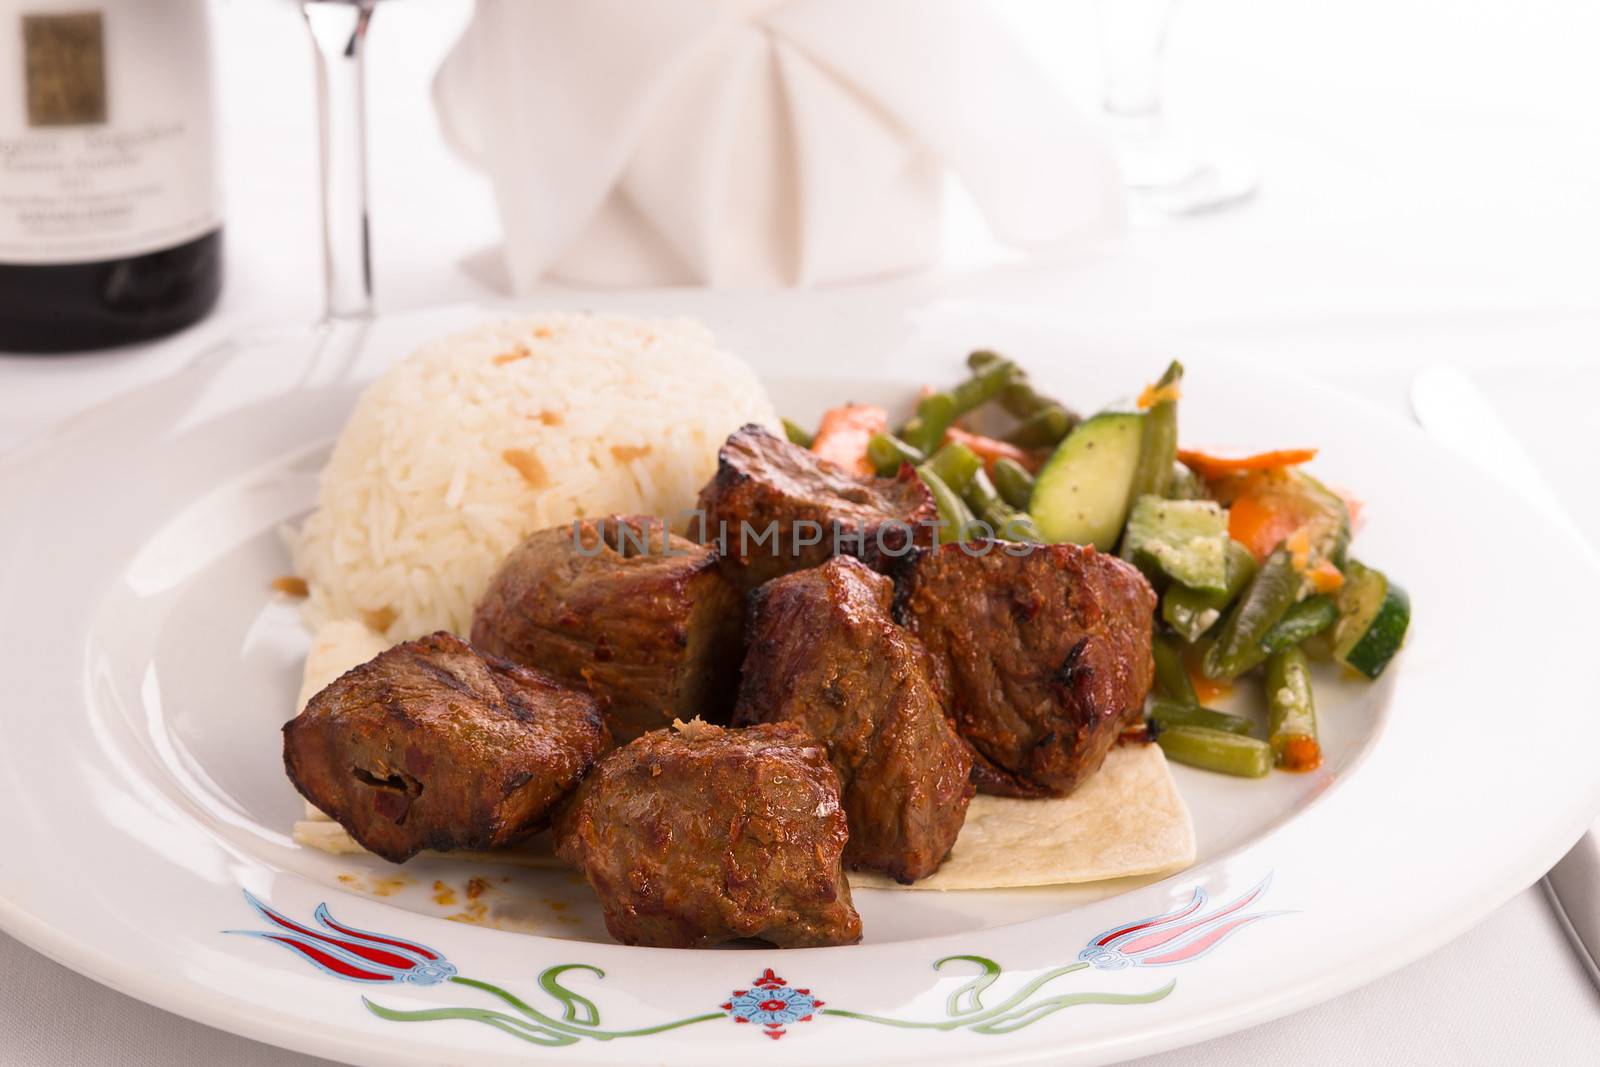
point(1047, 653)
point(773, 508)
point(701, 835)
point(433, 745)
point(825, 653)
point(641, 617)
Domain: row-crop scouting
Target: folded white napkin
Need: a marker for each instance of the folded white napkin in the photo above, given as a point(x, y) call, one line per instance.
point(760, 142)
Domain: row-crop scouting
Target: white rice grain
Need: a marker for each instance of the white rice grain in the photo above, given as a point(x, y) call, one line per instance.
point(468, 446)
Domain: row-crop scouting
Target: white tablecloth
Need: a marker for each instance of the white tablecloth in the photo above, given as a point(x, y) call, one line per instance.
point(1430, 196)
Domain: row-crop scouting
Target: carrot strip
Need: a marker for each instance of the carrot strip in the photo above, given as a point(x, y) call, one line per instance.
point(1323, 575)
point(1257, 524)
point(291, 585)
point(1326, 578)
point(1154, 394)
point(990, 449)
point(1206, 690)
point(1214, 463)
point(1301, 754)
point(844, 432)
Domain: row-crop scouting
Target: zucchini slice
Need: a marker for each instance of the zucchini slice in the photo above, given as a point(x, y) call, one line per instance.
point(1081, 495)
point(1187, 540)
point(1192, 612)
point(1373, 616)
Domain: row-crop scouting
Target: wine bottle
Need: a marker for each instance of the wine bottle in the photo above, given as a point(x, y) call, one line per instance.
point(110, 229)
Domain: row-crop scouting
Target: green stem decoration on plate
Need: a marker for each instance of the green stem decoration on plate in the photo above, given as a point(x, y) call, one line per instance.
point(770, 1004)
point(1186, 933)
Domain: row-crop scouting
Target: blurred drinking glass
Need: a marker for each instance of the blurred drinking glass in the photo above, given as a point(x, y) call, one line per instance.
point(338, 35)
point(1165, 173)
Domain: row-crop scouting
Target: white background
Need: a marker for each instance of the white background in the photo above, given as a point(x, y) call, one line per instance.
point(1432, 194)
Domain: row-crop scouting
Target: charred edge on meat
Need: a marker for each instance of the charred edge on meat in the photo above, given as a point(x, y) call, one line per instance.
point(1071, 672)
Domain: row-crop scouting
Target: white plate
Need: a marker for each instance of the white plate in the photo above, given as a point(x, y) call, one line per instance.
point(149, 669)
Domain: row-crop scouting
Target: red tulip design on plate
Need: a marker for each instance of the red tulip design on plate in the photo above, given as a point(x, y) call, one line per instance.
point(1176, 937)
point(351, 954)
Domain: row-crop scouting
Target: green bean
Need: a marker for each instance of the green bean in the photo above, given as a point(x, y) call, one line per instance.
point(1043, 429)
point(925, 429)
point(886, 452)
point(1013, 481)
point(1019, 397)
point(1023, 401)
point(955, 464)
point(937, 410)
point(1263, 603)
point(1185, 484)
point(980, 494)
point(983, 359)
point(1192, 612)
point(954, 518)
point(1014, 525)
point(1306, 619)
point(1292, 714)
point(797, 434)
point(1168, 714)
point(1172, 677)
point(983, 386)
point(1008, 523)
point(1158, 443)
point(1214, 750)
point(1241, 568)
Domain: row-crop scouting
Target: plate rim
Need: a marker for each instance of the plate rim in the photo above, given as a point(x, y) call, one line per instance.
point(58, 943)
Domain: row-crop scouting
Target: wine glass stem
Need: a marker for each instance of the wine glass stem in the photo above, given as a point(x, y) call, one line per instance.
point(1134, 33)
point(339, 33)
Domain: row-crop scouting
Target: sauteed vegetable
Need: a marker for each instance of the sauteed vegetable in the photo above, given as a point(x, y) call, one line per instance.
point(1249, 552)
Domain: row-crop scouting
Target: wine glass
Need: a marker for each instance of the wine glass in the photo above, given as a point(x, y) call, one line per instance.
point(1165, 172)
point(338, 30)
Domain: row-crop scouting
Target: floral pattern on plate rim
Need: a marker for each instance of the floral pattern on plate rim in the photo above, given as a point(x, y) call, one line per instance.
point(770, 1004)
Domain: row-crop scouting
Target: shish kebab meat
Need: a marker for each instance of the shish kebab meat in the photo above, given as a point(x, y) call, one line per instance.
point(773, 508)
point(1010, 663)
point(1047, 652)
point(435, 745)
point(830, 675)
point(701, 835)
point(825, 654)
point(640, 617)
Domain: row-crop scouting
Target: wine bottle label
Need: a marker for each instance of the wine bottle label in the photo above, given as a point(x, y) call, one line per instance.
point(107, 142)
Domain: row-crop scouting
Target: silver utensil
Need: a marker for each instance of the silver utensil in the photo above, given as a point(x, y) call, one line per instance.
point(1573, 886)
point(1455, 412)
